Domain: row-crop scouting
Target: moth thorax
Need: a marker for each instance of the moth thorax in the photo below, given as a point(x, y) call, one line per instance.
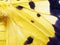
point(3, 20)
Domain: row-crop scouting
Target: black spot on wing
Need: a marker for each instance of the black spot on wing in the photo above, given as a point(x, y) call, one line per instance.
point(31, 4)
point(32, 21)
point(38, 15)
point(28, 41)
point(19, 7)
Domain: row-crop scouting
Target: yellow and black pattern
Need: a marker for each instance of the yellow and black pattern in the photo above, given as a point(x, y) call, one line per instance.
point(27, 22)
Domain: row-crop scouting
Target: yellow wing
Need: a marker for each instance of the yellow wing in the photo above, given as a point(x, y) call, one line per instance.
point(26, 25)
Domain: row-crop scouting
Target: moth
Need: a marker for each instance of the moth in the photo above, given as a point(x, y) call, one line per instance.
point(28, 22)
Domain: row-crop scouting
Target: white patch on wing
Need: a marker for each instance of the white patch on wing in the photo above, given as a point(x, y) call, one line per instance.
point(43, 6)
point(51, 19)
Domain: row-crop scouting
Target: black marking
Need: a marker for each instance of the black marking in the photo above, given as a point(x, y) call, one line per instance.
point(19, 7)
point(38, 15)
point(32, 5)
point(32, 21)
point(28, 41)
